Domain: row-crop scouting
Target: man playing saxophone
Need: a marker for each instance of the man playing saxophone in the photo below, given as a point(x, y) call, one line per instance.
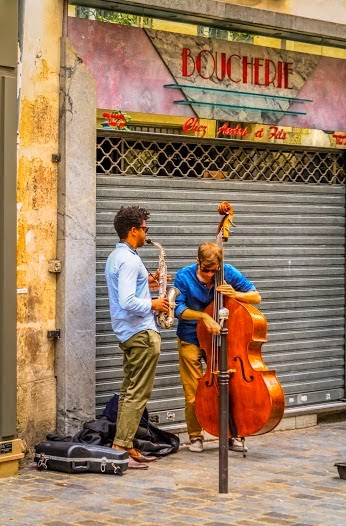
point(134, 323)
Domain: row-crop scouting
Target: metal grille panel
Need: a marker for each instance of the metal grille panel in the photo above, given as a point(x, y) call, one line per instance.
point(146, 154)
point(289, 239)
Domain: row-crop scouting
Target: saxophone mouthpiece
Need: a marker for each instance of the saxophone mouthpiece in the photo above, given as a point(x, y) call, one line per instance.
point(148, 241)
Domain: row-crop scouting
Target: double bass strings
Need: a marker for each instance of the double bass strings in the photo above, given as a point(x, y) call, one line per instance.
point(218, 304)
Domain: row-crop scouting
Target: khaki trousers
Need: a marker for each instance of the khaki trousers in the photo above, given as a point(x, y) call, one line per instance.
point(141, 353)
point(190, 363)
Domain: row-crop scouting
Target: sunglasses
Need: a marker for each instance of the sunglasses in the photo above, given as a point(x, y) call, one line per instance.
point(145, 228)
point(208, 270)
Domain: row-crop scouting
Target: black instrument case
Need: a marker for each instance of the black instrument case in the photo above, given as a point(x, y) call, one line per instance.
point(73, 457)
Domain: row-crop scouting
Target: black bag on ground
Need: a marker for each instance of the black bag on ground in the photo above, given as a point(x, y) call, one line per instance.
point(149, 439)
point(72, 457)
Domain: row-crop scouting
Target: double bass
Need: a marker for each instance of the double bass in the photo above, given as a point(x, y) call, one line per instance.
point(256, 398)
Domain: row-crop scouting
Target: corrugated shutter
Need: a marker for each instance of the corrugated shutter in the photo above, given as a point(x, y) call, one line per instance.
point(288, 238)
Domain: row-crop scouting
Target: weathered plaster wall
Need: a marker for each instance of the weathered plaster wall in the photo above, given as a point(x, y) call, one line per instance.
point(37, 216)
point(127, 67)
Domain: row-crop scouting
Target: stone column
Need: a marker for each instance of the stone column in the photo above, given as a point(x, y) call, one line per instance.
point(76, 284)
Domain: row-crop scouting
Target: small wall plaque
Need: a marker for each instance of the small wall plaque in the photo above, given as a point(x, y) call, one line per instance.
point(5, 447)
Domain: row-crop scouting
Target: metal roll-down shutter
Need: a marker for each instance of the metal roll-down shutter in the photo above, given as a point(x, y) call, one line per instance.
point(288, 238)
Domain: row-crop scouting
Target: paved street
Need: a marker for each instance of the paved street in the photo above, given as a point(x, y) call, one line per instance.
point(288, 478)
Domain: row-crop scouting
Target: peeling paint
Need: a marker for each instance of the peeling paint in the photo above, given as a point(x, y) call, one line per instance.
point(37, 184)
point(44, 73)
point(38, 123)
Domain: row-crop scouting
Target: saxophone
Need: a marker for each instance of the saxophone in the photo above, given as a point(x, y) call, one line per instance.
point(165, 319)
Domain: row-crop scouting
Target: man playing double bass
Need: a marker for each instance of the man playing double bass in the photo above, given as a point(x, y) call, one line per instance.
point(196, 284)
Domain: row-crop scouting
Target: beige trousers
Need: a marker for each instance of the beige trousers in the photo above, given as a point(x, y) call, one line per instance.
point(141, 353)
point(190, 363)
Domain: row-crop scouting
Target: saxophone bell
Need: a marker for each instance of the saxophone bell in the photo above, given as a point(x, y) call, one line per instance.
point(164, 319)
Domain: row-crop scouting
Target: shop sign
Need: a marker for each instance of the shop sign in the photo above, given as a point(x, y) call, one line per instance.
point(268, 132)
point(265, 133)
point(239, 69)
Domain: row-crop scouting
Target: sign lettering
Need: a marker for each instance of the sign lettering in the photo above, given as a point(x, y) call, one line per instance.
point(275, 133)
point(236, 68)
point(5, 447)
point(238, 131)
point(192, 125)
point(340, 139)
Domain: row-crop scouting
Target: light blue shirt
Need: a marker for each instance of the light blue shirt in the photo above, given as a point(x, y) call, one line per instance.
point(129, 293)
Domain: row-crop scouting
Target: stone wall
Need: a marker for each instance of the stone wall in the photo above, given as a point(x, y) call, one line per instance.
point(76, 295)
point(37, 216)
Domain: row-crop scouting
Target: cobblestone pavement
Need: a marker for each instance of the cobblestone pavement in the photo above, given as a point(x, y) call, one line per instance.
point(288, 478)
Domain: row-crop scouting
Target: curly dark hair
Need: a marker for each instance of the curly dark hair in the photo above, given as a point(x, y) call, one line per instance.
point(129, 217)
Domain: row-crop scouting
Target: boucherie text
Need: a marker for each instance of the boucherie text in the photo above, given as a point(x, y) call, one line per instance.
point(237, 68)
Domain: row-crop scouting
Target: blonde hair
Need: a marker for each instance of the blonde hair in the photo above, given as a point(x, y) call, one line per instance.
point(209, 254)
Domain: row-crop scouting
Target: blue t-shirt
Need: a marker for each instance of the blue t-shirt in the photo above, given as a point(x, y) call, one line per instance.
point(196, 295)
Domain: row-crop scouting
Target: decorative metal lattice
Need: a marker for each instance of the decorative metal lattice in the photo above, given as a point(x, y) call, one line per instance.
point(113, 17)
point(156, 155)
